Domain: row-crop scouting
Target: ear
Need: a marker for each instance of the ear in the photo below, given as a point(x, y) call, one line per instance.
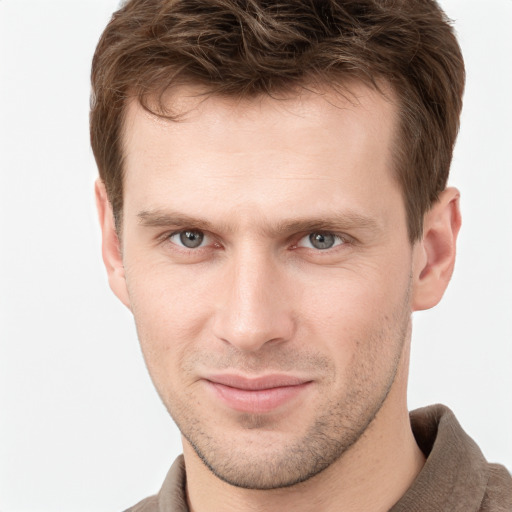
point(434, 254)
point(110, 246)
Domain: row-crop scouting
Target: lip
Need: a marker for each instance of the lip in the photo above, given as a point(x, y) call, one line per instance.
point(256, 395)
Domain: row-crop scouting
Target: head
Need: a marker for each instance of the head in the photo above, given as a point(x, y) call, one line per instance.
point(273, 204)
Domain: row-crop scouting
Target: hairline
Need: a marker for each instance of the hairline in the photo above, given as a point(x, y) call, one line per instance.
point(339, 83)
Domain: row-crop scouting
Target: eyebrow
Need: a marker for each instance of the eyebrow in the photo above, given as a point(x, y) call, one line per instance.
point(330, 221)
point(161, 218)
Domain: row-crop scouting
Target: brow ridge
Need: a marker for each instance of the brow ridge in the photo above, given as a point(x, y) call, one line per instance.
point(331, 221)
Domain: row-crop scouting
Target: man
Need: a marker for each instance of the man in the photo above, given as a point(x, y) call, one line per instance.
point(273, 204)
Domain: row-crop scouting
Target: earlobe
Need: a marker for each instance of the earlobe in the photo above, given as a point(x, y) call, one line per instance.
point(110, 245)
point(434, 254)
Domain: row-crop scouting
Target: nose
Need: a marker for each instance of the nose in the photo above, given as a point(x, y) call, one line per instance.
point(253, 306)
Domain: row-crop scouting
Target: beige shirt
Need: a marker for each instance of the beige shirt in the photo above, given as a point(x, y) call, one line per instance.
point(456, 477)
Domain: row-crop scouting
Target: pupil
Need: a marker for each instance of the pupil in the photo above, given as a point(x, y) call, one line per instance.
point(191, 239)
point(321, 240)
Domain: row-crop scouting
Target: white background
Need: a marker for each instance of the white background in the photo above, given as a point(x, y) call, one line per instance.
point(81, 427)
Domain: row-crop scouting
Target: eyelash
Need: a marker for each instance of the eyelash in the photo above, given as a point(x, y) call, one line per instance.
point(341, 238)
point(338, 240)
point(168, 236)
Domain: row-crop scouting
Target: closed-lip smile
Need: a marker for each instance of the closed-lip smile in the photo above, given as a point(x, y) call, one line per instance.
point(256, 395)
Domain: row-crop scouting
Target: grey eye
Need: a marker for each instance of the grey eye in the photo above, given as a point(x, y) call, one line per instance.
point(322, 240)
point(191, 239)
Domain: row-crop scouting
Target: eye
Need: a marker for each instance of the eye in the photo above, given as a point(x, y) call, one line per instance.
point(189, 238)
point(320, 240)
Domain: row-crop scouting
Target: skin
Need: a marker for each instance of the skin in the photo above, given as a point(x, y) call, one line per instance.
point(255, 178)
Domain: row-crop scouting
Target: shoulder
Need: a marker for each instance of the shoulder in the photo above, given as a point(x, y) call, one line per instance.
point(498, 493)
point(171, 497)
point(147, 505)
point(456, 476)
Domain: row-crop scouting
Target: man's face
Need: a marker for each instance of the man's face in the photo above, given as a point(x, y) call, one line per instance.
point(268, 268)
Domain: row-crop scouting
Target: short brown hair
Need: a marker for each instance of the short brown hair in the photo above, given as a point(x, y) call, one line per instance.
point(251, 47)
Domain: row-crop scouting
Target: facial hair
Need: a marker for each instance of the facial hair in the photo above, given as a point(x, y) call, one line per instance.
point(263, 460)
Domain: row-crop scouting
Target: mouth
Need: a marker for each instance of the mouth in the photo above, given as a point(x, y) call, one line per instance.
point(256, 395)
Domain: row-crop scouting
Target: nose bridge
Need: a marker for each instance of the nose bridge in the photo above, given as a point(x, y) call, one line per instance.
point(253, 309)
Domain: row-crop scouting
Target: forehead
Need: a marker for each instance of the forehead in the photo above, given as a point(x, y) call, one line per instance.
point(310, 148)
point(189, 108)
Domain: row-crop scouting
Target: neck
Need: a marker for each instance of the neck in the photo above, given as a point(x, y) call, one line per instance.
point(372, 475)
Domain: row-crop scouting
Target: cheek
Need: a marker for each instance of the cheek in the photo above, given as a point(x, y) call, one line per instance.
point(336, 310)
point(353, 309)
point(171, 309)
point(351, 296)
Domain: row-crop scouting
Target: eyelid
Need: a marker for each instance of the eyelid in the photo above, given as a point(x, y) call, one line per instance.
point(342, 237)
point(209, 238)
point(165, 238)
